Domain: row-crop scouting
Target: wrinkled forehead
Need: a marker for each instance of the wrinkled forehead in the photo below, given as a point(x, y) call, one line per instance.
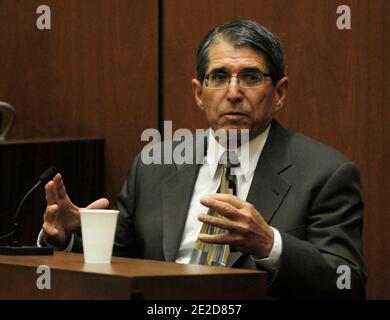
point(222, 54)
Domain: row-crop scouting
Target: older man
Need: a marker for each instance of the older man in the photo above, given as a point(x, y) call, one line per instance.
point(297, 211)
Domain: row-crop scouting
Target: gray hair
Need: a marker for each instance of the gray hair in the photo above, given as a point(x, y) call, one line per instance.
point(244, 33)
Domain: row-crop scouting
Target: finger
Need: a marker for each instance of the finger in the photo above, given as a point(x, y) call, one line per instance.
point(49, 230)
point(52, 236)
point(59, 187)
point(50, 214)
point(99, 204)
point(48, 220)
point(228, 198)
point(50, 194)
point(221, 207)
point(222, 223)
point(223, 238)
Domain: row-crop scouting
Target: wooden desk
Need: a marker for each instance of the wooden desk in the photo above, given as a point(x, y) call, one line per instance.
point(125, 279)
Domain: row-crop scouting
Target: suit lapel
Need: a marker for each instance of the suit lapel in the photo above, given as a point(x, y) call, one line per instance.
point(176, 196)
point(268, 188)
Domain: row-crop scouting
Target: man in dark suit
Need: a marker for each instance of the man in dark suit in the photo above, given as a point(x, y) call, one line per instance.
point(298, 210)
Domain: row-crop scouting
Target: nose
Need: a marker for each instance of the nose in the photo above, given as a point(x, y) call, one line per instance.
point(234, 93)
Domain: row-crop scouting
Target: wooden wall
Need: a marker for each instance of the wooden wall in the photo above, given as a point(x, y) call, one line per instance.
point(95, 74)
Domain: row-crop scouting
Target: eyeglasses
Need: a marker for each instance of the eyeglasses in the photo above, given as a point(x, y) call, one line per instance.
point(221, 80)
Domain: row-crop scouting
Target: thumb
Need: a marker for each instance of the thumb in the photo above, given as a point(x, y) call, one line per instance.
point(101, 203)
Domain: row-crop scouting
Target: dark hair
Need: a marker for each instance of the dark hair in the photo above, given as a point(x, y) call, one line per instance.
point(244, 33)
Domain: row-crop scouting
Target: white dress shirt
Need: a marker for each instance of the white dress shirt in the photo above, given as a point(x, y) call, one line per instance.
point(208, 181)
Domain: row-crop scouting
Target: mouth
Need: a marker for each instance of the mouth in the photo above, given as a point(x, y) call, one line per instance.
point(234, 115)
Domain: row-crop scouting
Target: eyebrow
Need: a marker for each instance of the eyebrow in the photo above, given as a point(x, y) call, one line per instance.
point(247, 69)
point(251, 69)
point(219, 70)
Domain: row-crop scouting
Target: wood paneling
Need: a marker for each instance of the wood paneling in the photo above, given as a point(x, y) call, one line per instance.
point(337, 93)
point(93, 74)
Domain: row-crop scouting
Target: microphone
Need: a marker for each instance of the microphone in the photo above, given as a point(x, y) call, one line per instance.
point(15, 248)
point(48, 175)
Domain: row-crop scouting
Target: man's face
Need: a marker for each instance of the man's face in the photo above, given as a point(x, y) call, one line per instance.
point(236, 107)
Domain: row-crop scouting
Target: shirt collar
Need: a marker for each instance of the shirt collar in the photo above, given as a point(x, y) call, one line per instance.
point(248, 154)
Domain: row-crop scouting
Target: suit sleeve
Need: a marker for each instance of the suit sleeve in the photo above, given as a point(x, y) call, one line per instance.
point(125, 239)
point(328, 263)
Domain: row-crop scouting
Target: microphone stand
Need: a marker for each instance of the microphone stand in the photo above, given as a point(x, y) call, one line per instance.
point(15, 248)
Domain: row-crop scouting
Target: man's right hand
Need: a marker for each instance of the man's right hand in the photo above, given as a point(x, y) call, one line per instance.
point(62, 217)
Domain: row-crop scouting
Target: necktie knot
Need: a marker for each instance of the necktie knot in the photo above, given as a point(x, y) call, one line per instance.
point(230, 163)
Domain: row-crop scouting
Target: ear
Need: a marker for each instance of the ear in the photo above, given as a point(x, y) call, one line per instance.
point(197, 89)
point(281, 93)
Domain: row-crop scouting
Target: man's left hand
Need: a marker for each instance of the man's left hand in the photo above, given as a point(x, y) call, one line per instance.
point(246, 229)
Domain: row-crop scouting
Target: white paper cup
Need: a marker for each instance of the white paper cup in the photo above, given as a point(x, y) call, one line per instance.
point(98, 228)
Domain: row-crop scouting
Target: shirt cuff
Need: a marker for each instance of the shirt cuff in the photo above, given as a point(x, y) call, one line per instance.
point(42, 243)
point(271, 263)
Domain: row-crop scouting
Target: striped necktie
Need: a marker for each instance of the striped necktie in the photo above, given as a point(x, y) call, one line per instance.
point(217, 254)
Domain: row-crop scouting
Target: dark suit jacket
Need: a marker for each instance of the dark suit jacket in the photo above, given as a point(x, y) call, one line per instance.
point(308, 191)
